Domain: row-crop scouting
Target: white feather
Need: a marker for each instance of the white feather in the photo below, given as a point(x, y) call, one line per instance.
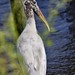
point(31, 48)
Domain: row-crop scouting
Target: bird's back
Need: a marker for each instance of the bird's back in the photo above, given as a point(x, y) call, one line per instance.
point(32, 49)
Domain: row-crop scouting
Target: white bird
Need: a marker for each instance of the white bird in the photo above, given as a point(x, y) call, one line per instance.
point(29, 44)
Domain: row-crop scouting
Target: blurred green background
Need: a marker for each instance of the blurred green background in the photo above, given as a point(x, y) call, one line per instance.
point(12, 27)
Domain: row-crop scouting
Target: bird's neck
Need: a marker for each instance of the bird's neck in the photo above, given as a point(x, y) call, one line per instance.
point(29, 12)
point(30, 24)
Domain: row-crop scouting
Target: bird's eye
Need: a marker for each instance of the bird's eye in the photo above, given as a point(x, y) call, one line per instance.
point(34, 2)
point(25, 3)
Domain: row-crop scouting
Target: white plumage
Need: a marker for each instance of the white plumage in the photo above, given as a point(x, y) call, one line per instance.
point(31, 47)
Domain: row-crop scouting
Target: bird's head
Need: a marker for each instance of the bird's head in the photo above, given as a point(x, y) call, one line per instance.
point(32, 5)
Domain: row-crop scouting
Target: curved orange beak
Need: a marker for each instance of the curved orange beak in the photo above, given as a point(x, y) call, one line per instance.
point(39, 13)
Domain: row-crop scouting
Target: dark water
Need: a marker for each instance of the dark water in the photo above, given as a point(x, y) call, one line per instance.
point(4, 9)
point(61, 55)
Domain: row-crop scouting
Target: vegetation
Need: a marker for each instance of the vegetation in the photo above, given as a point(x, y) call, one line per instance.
point(9, 63)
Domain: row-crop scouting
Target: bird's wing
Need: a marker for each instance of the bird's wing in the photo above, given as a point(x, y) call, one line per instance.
point(42, 62)
point(28, 57)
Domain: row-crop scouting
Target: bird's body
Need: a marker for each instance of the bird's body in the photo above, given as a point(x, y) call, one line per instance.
point(30, 44)
point(32, 49)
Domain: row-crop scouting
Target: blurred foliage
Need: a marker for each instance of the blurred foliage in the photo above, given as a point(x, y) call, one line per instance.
point(19, 15)
point(55, 6)
point(14, 25)
point(9, 63)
